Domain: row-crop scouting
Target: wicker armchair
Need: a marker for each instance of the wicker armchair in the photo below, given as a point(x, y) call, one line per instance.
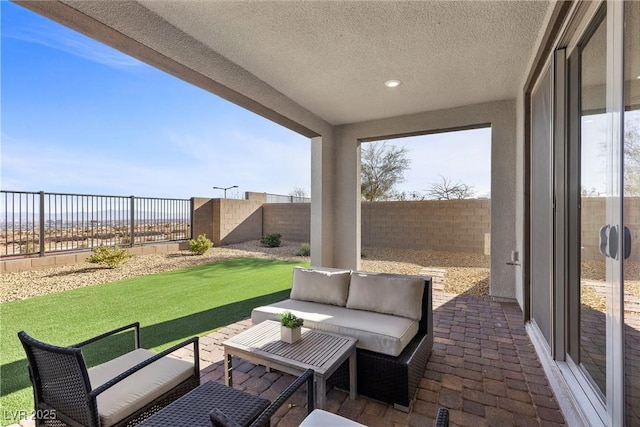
point(122, 391)
point(221, 419)
point(443, 418)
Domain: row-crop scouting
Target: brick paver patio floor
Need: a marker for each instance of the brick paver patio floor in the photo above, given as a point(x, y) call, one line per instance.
point(483, 368)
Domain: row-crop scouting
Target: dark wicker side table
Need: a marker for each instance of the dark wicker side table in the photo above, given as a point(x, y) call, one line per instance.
point(192, 409)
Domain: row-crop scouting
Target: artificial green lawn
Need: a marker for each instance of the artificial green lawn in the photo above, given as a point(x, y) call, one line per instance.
point(170, 307)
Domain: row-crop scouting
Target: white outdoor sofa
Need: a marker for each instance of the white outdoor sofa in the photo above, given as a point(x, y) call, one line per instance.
point(390, 315)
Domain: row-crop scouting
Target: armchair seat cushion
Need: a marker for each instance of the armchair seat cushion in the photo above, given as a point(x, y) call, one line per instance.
point(139, 389)
point(320, 418)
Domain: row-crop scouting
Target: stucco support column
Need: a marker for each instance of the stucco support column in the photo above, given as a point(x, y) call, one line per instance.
point(322, 196)
point(347, 203)
point(503, 200)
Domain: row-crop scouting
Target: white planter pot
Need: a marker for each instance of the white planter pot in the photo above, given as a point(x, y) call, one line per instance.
point(290, 335)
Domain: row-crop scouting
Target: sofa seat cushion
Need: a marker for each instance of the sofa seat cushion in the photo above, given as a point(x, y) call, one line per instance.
point(139, 389)
point(382, 333)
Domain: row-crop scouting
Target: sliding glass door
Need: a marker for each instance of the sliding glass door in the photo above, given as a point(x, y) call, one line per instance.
point(631, 213)
point(603, 212)
point(588, 285)
point(584, 215)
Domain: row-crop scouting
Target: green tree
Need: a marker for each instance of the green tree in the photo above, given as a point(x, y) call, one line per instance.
point(383, 166)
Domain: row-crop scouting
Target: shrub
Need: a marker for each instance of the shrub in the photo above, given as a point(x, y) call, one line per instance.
point(31, 247)
point(201, 245)
point(271, 240)
point(110, 257)
point(305, 250)
point(290, 320)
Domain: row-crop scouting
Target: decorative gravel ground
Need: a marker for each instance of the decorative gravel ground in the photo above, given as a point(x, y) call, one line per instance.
point(465, 272)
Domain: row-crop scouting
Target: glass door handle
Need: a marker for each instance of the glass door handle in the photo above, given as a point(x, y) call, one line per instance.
point(609, 241)
point(626, 245)
point(604, 239)
point(613, 242)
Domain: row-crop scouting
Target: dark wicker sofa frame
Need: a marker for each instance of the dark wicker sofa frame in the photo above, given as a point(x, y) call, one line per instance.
point(62, 390)
point(394, 379)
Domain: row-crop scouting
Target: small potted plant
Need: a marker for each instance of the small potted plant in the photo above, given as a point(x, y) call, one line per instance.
point(290, 327)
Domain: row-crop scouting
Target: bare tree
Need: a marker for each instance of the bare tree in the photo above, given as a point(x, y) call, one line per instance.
point(445, 189)
point(405, 196)
point(299, 192)
point(383, 167)
point(632, 160)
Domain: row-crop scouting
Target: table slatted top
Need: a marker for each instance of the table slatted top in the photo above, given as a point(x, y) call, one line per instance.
point(317, 350)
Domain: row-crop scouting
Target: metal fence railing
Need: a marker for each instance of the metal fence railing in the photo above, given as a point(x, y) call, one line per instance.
point(39, 223)
point(279, 198)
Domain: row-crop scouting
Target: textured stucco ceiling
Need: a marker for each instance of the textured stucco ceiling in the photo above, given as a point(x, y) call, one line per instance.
point(333, 57)
point(329, 57)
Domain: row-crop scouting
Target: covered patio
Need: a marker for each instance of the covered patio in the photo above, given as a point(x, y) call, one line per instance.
point(319, 68)
point(483, 367)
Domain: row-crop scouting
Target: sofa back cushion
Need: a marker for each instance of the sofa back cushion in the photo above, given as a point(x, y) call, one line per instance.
point(385, 293)
point(321, 285)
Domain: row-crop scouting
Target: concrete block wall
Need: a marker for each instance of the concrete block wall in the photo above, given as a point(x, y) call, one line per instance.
point(632, 220)
point(240, 220)
point(457, 225)
point(227, 221)
point(204, 219)
point(292, 220)
point(61, 260)
point(594, 216)
point(451, 225)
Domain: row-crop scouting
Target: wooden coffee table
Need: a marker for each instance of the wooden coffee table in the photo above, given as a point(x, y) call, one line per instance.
point(323, 352)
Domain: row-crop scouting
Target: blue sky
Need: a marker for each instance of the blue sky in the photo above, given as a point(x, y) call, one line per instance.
point(80, 117)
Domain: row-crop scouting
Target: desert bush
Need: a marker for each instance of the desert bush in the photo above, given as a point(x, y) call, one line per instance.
point(30, 247)
point(200, 245)
point(271, 240)
point(305, 250)
point(110, 257)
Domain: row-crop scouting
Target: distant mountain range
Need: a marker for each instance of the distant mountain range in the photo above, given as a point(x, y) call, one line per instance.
point(104, 216)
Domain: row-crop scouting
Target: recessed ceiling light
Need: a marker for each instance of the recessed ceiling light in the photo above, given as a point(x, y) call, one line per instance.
point(638, 77)
point(392, 83)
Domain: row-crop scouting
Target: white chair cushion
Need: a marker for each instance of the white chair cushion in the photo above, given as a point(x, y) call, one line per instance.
point(387, 293)
point(139, 389)
point(382, 333)
point(320, 418)
point(322, 285)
